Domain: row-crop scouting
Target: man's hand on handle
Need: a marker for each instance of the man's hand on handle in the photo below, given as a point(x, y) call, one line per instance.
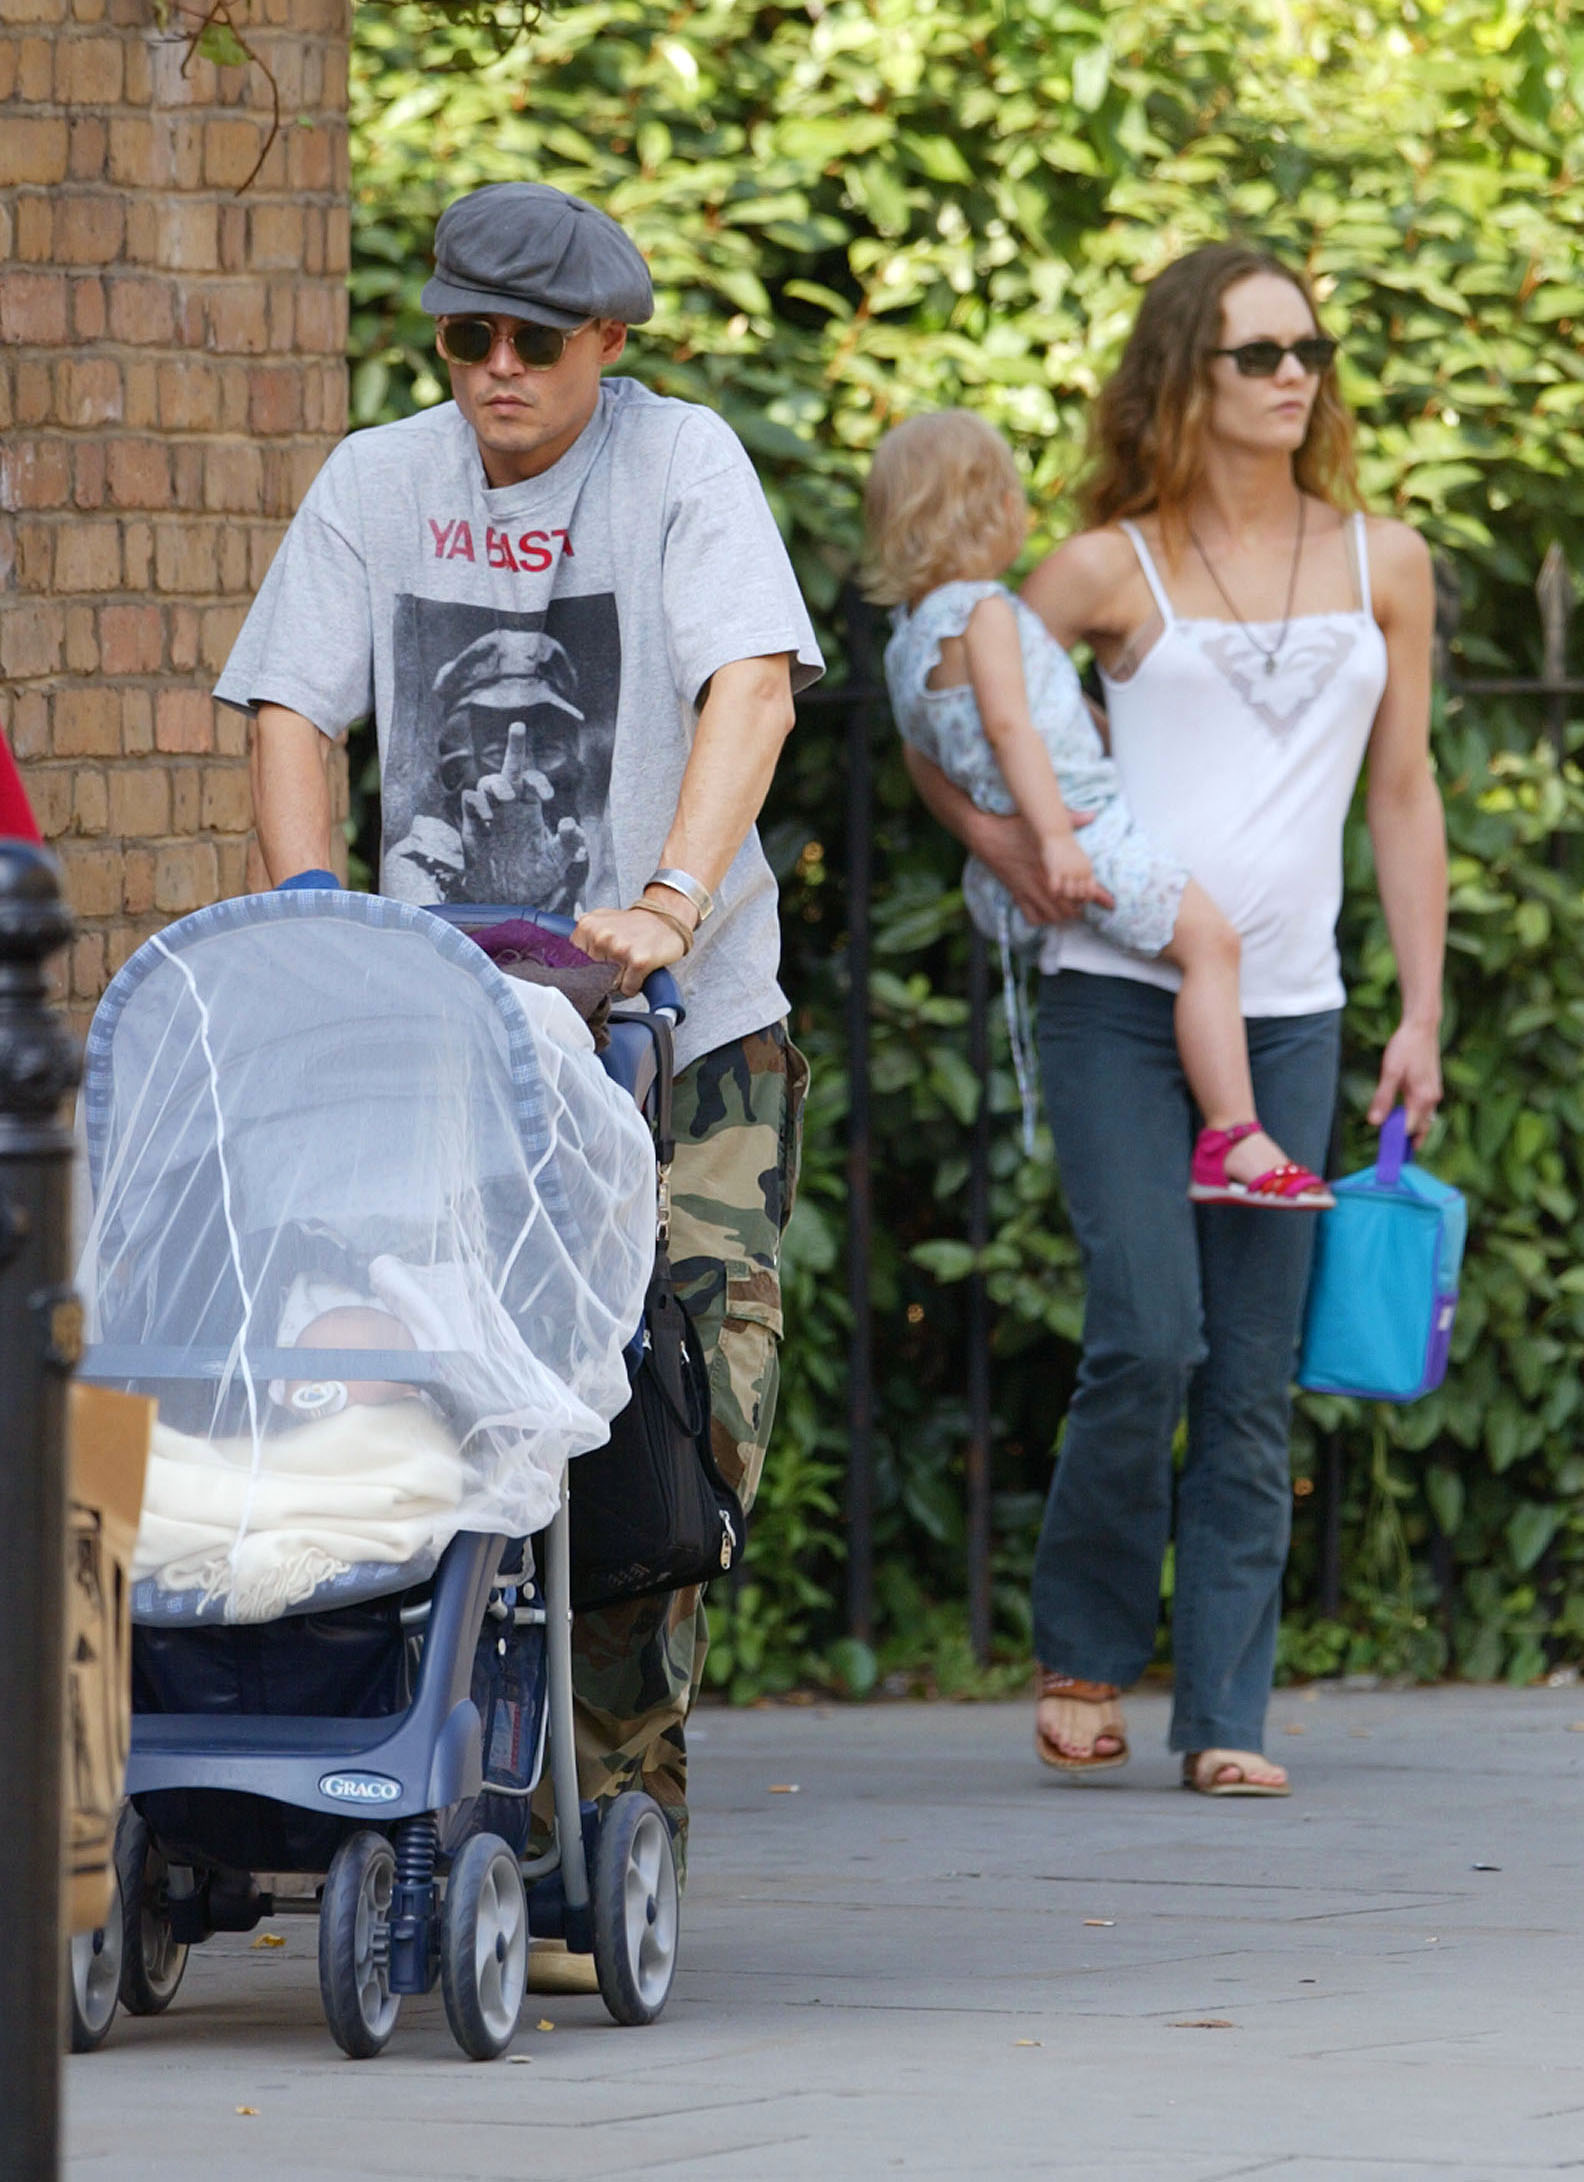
point(634, 938)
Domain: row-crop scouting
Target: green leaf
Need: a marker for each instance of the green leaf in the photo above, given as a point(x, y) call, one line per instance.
point(1444, 1491)
point(219, 43)
point(933, 1504)
point(1091, 77)
point(1502, 1437)
point(854, 1666)
point(956, 1084)
point(938, 157)
point(1529, 1530)
point(370, 385)
point(809, 1243)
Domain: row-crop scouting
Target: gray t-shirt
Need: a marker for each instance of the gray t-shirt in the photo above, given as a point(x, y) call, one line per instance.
point(591, 605)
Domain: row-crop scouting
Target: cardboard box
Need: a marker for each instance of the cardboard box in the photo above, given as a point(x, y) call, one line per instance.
point(107, 1448)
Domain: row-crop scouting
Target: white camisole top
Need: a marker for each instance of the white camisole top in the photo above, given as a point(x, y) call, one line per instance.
point(1246, 776)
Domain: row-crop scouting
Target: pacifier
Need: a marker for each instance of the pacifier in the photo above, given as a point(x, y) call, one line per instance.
point(309, 1398)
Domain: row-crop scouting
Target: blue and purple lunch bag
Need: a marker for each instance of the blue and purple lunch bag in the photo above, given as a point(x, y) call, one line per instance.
point(1384, 1289)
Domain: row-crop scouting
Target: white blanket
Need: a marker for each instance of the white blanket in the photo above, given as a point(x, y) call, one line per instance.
point(372, 1484)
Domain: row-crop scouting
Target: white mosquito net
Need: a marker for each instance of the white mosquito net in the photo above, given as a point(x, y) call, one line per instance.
point(374, 1225)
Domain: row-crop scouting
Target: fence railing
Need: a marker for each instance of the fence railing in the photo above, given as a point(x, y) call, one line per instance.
point(1553, 685)
point(861, 703)
point(39, 1326)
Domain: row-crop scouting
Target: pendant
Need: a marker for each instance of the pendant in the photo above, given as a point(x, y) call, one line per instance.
point(1270, 662)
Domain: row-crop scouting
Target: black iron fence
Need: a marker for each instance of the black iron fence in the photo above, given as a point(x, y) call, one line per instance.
point(39, 1329)
point(860, 706)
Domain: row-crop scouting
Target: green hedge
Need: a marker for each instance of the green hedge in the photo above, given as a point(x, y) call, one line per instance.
point(854, 211)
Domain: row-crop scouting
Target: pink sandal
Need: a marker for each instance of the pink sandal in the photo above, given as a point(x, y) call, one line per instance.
point(1284, 1188)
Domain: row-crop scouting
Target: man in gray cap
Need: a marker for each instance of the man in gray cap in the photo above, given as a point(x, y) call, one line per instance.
point(566, 604)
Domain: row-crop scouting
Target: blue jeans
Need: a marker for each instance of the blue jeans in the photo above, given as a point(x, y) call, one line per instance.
point(1185, 1305)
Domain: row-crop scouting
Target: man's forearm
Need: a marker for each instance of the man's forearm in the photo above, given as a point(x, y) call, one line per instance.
point(745, 721)
point(1408, 833)
point(746, 718)
point(291, 793)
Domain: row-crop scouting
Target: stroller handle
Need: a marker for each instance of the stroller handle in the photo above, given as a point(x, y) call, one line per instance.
point(659, 987)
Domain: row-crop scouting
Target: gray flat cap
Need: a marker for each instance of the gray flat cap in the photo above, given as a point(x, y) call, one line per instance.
point(525, 250)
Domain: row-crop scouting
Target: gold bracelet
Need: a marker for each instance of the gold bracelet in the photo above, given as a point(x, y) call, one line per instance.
point(676, 924)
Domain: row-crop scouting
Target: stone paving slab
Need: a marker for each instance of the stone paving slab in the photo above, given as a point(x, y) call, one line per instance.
point(893, 1972)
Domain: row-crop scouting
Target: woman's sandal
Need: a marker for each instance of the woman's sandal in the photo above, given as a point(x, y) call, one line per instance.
point(1284, 1188)
point(1072, 1691)
point(1226, 1773)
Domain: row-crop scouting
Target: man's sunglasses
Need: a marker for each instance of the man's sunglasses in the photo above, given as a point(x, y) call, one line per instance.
point(472, 341)
point(1263, 359)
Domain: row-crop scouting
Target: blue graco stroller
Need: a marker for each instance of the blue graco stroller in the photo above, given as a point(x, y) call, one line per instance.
point(373, 1223)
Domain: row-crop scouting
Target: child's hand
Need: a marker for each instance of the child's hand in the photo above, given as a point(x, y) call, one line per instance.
point(1070, 875)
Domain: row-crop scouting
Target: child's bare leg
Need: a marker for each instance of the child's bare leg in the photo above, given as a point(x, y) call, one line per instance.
point(1210, 1034)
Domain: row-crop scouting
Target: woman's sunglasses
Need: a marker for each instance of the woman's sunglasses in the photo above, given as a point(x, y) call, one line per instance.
point(472, 341)
point(1263, 359)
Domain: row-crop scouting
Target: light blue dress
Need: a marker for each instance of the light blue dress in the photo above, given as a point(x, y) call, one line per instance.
point(944, 724)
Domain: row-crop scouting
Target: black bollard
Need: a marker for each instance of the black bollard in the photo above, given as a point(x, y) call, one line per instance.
point(39, 1340)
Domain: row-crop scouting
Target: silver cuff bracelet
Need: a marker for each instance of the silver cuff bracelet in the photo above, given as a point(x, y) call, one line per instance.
point(690, 889)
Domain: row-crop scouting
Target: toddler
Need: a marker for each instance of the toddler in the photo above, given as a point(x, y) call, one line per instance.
point(982, 689)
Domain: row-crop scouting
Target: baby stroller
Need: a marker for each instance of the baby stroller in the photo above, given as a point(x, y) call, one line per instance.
point(373, 1224)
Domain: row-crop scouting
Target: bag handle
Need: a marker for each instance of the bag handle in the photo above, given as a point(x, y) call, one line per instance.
point(662, 1034)
point(1395, 1150)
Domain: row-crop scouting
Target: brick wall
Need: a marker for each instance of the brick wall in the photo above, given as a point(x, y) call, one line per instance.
point(171, 377)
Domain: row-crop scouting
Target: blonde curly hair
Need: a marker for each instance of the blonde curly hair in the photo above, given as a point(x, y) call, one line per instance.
point(942, 502)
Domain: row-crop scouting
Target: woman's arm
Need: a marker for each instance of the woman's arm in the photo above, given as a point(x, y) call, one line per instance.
point(1009, 846)
point(1407, 825)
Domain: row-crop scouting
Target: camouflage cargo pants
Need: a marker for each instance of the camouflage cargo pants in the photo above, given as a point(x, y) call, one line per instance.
point(637, 1666)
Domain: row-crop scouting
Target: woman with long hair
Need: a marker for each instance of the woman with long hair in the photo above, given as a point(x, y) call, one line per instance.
point(1259, 639)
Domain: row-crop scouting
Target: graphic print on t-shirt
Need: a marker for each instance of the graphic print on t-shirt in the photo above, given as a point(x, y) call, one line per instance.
point(497, 776)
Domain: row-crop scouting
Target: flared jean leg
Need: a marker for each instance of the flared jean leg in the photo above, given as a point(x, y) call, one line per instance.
point(1122, 1120)
point(1234, 1496)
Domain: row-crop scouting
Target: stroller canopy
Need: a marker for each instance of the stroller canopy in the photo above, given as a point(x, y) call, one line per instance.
point(373, 1222)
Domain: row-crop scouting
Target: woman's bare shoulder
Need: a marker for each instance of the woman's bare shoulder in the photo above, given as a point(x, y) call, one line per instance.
point(1401, 575)
point(1083, 574)
point(1395, 548)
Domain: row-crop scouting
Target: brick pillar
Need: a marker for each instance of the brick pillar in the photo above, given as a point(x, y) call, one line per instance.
point(171, 377)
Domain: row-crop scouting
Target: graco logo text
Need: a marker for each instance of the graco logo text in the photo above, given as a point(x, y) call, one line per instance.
point(360, 1788)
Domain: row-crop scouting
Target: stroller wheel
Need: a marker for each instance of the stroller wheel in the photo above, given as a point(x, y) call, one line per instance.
point(484, 1947)
point(635, 1909)
point(354, 1945)
point(152, 1958)
point(95, 1980)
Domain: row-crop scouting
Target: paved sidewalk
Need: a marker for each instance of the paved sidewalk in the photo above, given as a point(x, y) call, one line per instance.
point(895, 1971)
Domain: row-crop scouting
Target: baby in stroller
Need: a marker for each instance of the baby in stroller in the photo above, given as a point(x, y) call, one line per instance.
point(375, 1225)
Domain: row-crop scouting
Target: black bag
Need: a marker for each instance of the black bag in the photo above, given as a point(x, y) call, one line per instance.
point(650, 1511)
